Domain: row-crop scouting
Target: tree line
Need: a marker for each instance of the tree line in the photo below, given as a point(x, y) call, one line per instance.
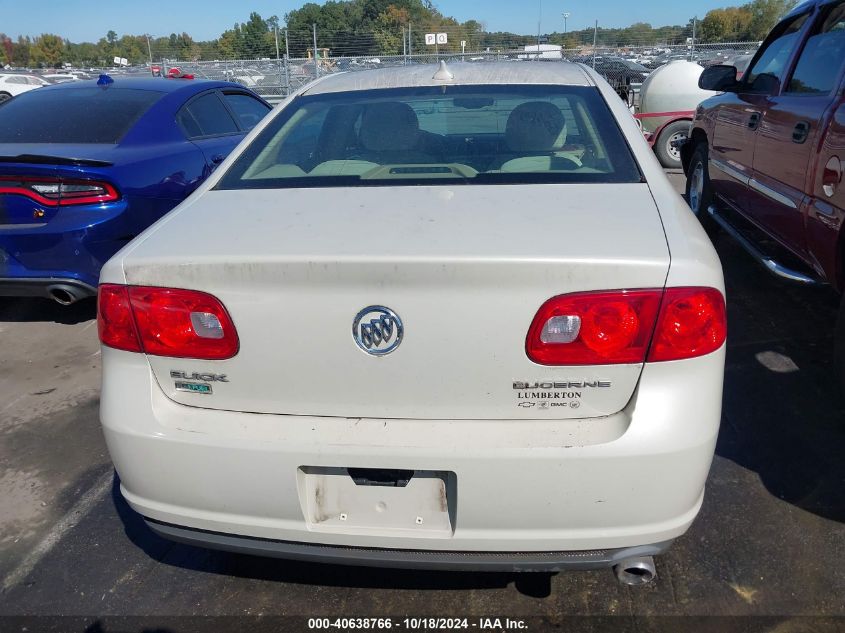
point(749, 22)
point(369, 27)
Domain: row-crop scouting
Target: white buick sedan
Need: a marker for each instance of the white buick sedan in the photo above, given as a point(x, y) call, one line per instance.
point(434, 317)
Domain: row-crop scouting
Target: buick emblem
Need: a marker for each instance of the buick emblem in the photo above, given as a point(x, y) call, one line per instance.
point(377, 330)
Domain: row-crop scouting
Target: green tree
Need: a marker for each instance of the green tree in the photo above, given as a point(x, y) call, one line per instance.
point(6, 48)
point(47, 50)
point(257, 39)
point(764, 15)
point(638, 33)
point(389, 29)
point(230, 43)
point(21, 50)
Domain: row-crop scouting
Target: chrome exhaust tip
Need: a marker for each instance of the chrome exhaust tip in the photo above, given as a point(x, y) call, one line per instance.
point(635, 571)
point(64, 295)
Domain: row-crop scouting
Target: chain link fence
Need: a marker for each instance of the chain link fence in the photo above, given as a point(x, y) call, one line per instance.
point(623, 67)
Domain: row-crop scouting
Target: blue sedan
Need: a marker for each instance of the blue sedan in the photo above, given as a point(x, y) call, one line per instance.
point(86, 166)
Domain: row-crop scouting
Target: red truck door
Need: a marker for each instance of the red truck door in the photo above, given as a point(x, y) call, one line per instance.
point(739, 116)
point(790, 131)
point(826, 207)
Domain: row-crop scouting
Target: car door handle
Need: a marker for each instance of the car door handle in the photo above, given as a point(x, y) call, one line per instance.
point(801, 132)
point(754, 121)
point(217, 159)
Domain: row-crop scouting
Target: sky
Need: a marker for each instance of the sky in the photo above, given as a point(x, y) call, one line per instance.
point(89, 20)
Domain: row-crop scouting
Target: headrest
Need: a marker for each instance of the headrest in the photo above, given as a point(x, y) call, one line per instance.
point(535, 126)
point(390, 126)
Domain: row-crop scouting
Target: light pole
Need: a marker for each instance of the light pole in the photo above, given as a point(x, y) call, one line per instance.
point(565, 18)
point(539, 25)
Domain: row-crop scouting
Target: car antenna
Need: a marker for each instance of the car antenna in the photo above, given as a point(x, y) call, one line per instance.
point(443, 73)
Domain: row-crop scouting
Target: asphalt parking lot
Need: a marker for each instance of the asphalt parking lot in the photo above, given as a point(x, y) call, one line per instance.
point(770, 540)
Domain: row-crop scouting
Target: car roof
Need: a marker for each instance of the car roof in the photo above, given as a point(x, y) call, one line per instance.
point(156, 84)
point(464, 73)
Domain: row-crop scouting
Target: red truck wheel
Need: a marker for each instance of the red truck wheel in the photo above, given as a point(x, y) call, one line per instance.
point(699, 192)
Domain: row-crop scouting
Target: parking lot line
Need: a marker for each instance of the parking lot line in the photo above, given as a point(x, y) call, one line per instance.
point(86, 502)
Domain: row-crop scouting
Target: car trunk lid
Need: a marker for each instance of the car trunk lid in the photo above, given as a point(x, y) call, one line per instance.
point(22, 164)
point(465, 269)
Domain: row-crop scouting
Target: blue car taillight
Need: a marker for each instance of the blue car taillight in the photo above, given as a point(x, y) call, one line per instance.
point(54, 192)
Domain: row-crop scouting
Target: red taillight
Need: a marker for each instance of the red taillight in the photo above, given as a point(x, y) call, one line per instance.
point(605, 327)
point(616, 327)
point(692, 322)
point(54, 192)
point(115, 321)
point(166, 322)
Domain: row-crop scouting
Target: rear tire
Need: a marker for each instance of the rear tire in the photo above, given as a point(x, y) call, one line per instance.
point(4, 96)
point(668, 156)
point(699, 192)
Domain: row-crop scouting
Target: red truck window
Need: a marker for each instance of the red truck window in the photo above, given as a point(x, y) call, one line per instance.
point(771, 63)
point(821, 60)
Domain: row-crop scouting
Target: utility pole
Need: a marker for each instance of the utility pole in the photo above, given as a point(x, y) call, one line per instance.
point(287, 57)
point(565, 18)
point(149, 49)
point(278, 61)
point(404, 47)
point(410, 48)
point(316, 65)
point(694, 25)
point(595, 42)
point(539, 23)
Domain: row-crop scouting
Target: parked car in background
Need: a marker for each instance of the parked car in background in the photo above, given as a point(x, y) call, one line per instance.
point(59, 78)
point(740, 62)
point(414, 288)
point(86, 166)
point(665, 58)
point(765, 158)
point(626, 77)
point(13, 84)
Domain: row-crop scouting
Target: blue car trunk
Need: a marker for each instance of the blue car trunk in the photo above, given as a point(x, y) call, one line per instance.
point(27, 171)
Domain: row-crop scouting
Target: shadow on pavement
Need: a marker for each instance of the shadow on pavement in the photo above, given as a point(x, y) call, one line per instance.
point(27, 309)
point(783, 415)
point(784, 420)
point(317, 574)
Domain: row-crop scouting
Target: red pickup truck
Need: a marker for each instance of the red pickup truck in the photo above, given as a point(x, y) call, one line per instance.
point(764, 159)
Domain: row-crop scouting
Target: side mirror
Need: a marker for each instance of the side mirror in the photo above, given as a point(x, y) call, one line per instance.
point(718, 78)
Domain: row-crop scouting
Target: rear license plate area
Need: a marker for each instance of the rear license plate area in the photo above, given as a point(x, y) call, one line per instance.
point(378, 502)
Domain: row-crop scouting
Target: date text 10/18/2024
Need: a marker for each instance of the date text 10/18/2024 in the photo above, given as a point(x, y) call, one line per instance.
point(417, 624)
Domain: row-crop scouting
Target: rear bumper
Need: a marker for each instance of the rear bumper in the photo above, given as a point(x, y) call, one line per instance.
point(45, 287)
point(72, 245)
point(525, 491)
point(407, 559)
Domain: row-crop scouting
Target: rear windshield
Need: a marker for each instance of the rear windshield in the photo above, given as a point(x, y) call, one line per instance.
point(73, 115)
point(442, 134)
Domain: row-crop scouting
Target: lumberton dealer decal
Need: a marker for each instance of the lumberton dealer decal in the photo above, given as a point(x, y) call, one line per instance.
point(547, 395)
